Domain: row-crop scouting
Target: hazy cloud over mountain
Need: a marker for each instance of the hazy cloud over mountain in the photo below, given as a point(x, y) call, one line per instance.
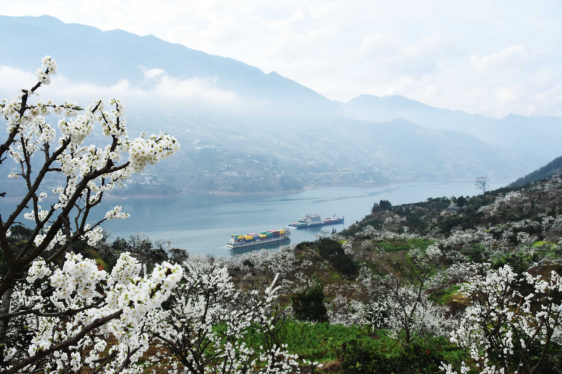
point(159, 85)
point(225, 112)
point(492, 58)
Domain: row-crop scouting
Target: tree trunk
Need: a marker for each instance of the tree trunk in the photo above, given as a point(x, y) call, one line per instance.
point(6, 301)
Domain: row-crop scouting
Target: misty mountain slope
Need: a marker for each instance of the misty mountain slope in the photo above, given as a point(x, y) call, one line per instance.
point(539, 137)
point(287, 137)
point(429, 153)
point(87, 54)
point(380, 109)
point(341, 151)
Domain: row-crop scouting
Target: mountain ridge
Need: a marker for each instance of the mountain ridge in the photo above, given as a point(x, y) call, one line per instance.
point(539, 136)
point(47, 35)
point(393, 98)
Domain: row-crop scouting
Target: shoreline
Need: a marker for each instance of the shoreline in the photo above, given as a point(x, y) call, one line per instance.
point(264, 193)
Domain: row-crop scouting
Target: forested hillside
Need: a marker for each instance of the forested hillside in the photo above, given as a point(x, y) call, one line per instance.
point(552, 168)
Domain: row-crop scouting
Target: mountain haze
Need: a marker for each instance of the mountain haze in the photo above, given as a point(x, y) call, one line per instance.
point(271, 133)
point(90, 55)
point(539, 137)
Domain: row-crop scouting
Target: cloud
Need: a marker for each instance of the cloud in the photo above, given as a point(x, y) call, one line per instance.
point(14, 79)
point(161, 87)
point(507, 56)
point(379, 44)
point(152, 74)
point(549, 103)
point(488, 57)
point(200, 88)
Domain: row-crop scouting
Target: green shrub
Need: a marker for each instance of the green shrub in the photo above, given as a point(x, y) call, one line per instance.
point(394, 245)
point(308, 305)
point(345, 266)
point(332, 251)
point(303, 245)
point(444, 295)
point(413, 359)
point(247, 262)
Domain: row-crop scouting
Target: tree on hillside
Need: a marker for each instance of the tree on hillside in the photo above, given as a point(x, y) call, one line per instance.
point(482, 183)
point(57, 308)
point(403, 306)
point(207, 323)
point(308, 305)
point(385, 205)
point(461, 201)
point(146, 252)
point(381, 206)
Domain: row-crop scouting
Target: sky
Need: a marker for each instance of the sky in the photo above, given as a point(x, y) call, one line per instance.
point(486, 57)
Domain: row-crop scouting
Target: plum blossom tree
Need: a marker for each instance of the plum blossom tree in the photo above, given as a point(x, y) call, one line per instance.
point(504, 331)
point(348, 249)
point(66, 311)
point(403, 307)
point(206, 320)
point(61, 319)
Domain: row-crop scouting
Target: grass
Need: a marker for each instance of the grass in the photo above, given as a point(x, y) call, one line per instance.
point(546, 245)
point(445, 295)
point(324, 342)
point(394, 245)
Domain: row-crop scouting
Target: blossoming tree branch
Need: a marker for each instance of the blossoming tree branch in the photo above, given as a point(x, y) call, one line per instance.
point(55, 318)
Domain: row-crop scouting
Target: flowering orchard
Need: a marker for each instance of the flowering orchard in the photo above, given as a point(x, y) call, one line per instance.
point(504, 329)
point(206, 326)
point(484, 298)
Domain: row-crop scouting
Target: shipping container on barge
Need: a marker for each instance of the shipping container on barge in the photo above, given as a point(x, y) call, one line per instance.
point(309, 220)
point(264, 237)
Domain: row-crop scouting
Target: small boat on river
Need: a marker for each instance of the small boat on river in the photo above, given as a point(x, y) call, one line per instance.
point(309, 220)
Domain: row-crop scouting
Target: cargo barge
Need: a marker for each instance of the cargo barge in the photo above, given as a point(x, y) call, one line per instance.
point(264, 237)
point(309, 220)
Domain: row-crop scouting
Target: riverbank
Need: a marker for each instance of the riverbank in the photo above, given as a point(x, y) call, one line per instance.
point(183, 193)
point(180, 194)
point(502, 182)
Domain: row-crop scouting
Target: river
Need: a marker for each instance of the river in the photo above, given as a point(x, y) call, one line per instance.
point(203, 223)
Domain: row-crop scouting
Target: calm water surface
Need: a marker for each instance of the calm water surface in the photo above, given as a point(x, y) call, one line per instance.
point(203, 223)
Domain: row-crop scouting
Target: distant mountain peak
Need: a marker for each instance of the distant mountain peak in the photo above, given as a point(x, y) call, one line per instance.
point(513, 116)
point(395, 102)
point(365, 97)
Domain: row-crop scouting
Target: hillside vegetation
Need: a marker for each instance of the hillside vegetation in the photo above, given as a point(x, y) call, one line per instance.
point(552, 168)
point(409, 289)
point(395, 292)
